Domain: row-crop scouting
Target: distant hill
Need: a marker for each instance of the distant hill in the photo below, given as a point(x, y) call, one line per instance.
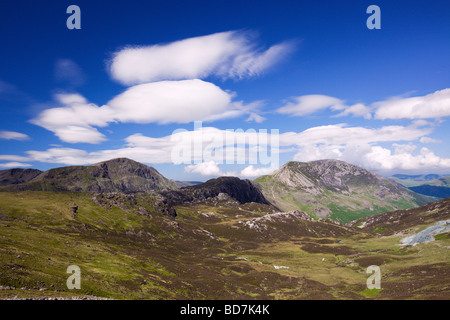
point(431, 185)
point(419, 177)
point(116, 175)
point(183, 184)
point(335, 189)
point(432, 191)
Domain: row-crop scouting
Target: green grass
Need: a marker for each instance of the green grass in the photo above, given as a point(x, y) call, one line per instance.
point(442, 236)
point(125, 255)
point(379, 230)
point(371, 293)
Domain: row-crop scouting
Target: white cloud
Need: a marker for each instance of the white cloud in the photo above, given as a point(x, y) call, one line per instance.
point(343, 134)
point(158, 102)
point(231, 54)
point(252, 171)
point(307, 104)
point(174, 101)
point(7, 157)
point(360, 146)
point(209, 168)
point(12, 135)
point(14, 165)
point(357, 110)
point(383, 159)
point(403, 148)
point(389, 148)
point(74, 121)
point(71, 156)
point(429, 140)
point(432, 106)
point(212, 144)
point(255, 117)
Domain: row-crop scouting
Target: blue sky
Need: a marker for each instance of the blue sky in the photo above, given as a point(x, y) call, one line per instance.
point(137, 71)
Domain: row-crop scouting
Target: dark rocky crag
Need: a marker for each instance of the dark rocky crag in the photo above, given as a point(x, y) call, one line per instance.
point(220, 189)
point(17, 176)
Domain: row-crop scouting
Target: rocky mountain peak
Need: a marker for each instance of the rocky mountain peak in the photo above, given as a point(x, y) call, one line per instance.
point(327, 173)
point(335, 189)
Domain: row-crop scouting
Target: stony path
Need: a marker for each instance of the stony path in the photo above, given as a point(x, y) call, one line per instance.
point(427, 234)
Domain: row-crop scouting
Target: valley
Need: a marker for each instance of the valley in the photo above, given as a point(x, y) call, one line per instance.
point(222, 241)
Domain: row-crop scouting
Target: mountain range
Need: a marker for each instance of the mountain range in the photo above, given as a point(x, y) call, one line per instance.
point(323, 189)
point(432, 185)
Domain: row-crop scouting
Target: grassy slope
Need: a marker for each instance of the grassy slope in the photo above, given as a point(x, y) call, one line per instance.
point(204, 253)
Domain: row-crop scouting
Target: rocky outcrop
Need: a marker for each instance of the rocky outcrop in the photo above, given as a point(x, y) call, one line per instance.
point(243, 191)
point(17, 176)
point(261, 223)
point(74, 211)
point(221, 191)
point(135, 202)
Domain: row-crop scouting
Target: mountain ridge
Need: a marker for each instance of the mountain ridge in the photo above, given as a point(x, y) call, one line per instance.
point(115, 175)
point(323, 188)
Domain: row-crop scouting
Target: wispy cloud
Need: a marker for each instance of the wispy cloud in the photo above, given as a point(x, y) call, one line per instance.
point(12, 135)
point(308, 104)
point(232, 54)
point(431, 106)
point(69, 72)
point(9, 165)
point(6, 88)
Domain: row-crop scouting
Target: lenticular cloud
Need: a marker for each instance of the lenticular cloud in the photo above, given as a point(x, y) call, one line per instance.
point(157, 102)
point(231, 54)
